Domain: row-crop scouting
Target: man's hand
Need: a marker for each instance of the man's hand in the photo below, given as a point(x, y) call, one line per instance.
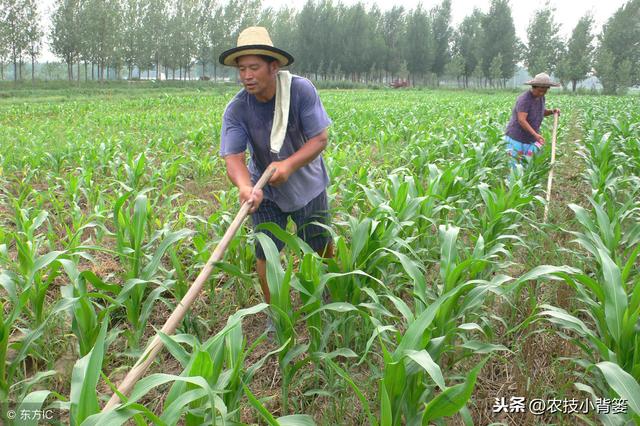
point(539, 138)
point(249, 194)
point(283, 171)
point(556, 111)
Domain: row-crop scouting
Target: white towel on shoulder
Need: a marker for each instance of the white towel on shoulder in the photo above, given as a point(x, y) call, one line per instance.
point(281, 114)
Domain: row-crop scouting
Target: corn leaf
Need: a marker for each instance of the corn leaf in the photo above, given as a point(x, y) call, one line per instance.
point(622, 383)
point(453, 399)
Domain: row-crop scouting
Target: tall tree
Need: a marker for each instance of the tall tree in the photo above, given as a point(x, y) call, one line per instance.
point(578, 58)
point(306, 40)
point(116, 57)
point(455, 68)
point(133, 13)
point(499, 37)
point(331, 33)
point(393, 26)
point(419, 43)
point(87, 43)
point(65, 40)
point(359, 41)
point(478, 73)
point(283, 29)
point(217, 37)
point(495, 70)
point(468, 43)
point(234, 16)
point(543, 42)
point(182, 38)
point(375, 44)
point(442, 33)
point(16, 22)
point(204, 15)
point(100, 23)
point(33, 33)
point(154, 32)
point(618, 57)
point(4, 38)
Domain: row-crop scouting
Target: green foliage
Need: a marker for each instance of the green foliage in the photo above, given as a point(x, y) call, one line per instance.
point(495, 69)
point(419, 43)
point(20, 33)
point(617, 59)
point(576, 62)
point(111, 204)
point(499, 38)
point(468, 41)
point(605, 324)
point(544, 45)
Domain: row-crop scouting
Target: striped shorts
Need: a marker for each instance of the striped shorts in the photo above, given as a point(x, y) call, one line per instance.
point(518, 150)
point(316, 210)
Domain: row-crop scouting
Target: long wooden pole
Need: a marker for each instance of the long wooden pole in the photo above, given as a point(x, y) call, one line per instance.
point(180, 311)
point(553, 161)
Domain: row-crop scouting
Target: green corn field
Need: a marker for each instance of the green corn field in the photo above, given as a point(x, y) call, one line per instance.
point(447, 292)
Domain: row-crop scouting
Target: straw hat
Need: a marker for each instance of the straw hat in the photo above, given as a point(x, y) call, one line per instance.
point(255, 41)
point(542, 80)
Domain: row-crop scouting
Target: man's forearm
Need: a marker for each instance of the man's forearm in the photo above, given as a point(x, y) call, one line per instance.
point(237, 170)
point(239, 174)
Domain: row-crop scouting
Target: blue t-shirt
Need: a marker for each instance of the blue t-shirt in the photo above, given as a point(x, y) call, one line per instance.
point(247, 123)
point(534, 107)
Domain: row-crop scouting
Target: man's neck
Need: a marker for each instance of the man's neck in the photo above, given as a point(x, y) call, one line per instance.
point(267, 94)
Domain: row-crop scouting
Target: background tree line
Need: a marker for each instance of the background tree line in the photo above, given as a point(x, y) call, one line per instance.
point(99, 39)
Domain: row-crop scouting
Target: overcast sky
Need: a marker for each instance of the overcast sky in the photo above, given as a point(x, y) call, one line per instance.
point(568, 12)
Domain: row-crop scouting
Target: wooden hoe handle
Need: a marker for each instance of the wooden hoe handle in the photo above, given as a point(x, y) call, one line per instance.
point(553, 161)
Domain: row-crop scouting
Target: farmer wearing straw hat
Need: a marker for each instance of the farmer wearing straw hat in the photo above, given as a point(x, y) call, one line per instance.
point(523, 131)
point(280, 118)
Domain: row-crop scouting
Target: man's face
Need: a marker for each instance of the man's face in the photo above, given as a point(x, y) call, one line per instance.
point(539, 91)
point(258, 76)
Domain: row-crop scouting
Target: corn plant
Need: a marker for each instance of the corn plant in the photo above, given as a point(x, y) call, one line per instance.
point(35, 272)
point(502, 213)
point(221, 362)
point(410, 376)
point(16, 300)
point(606, 330)
point(88, 308)
point(309, 281)
point(361, 253)
point(67, 203)
point(143, 267)
point(208, 390)
point(350, 195)
point(455, 274)
point(613, 307)
point(611, 298)
point(445, 191)
point(616, 231)
point(403, 388)
point(602, 168)
point(283, 315)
